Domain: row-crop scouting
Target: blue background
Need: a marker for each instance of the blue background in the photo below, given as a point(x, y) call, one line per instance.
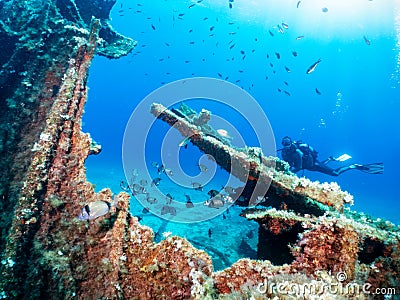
point(358, 109)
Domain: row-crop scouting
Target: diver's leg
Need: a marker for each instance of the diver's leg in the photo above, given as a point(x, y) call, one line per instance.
point(375, 168)
point(344, 169)
point(319, 167)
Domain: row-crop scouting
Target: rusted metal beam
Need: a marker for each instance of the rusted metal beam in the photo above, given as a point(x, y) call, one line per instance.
point(249, 164)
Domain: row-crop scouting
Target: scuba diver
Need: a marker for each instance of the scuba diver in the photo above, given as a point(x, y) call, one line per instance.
point(301, 156)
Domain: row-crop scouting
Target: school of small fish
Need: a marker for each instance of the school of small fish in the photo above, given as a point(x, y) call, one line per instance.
point(228, 32)
point(215, 198)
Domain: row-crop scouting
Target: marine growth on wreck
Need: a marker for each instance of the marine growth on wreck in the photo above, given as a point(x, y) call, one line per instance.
point(60, 239)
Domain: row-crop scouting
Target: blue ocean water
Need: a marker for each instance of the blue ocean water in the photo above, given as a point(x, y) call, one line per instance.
point(349, 104)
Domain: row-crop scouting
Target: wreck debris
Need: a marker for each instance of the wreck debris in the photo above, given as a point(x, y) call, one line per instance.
point(39, 44)
point(322, 237)
point(46, 51)
point(249, 165)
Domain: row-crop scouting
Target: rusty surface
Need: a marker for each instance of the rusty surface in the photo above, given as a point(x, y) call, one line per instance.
point(245, 165)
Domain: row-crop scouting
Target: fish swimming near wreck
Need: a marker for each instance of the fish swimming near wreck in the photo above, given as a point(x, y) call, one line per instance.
point(224, 133)
point(313, 66)
point(197, 186)
point(203, 168)
point(155, 181)
point(168, 210)
point(169, 198)
point(214, 203)
point(366, 40)
point(96, 209)
point(151, 200)
point(168, 172)
point(137, 189)
point(189, 204)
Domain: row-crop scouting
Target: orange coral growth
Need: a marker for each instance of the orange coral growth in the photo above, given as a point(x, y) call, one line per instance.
point(168, 269)
point(245, 272)
point(277, 226)
point(327, 248)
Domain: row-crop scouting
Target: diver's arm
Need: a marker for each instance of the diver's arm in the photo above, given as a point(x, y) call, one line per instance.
point(326, 161)
point(298, 161)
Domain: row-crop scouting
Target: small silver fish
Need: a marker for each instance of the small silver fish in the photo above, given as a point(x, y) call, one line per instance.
point(137, 189)
point(203, 168)
point(168, 172)
point(224, 133)
point(93, 210)
point(367, 41)
point(169, 198)
point(197, 186)
point(124, 186)
point(214, 203)
point(160, 169)
point(313, 66)
point(168, 210)
point(151, 200)
point(155, 181)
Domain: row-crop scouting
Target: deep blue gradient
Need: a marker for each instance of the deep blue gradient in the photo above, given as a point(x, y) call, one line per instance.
point(357, 112)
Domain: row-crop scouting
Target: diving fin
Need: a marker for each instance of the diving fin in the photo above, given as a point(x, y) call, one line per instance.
point(376, 168)
point(342, 157)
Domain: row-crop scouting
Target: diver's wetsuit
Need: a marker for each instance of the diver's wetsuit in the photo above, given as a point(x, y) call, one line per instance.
point(320, 167)
point(298, 160)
